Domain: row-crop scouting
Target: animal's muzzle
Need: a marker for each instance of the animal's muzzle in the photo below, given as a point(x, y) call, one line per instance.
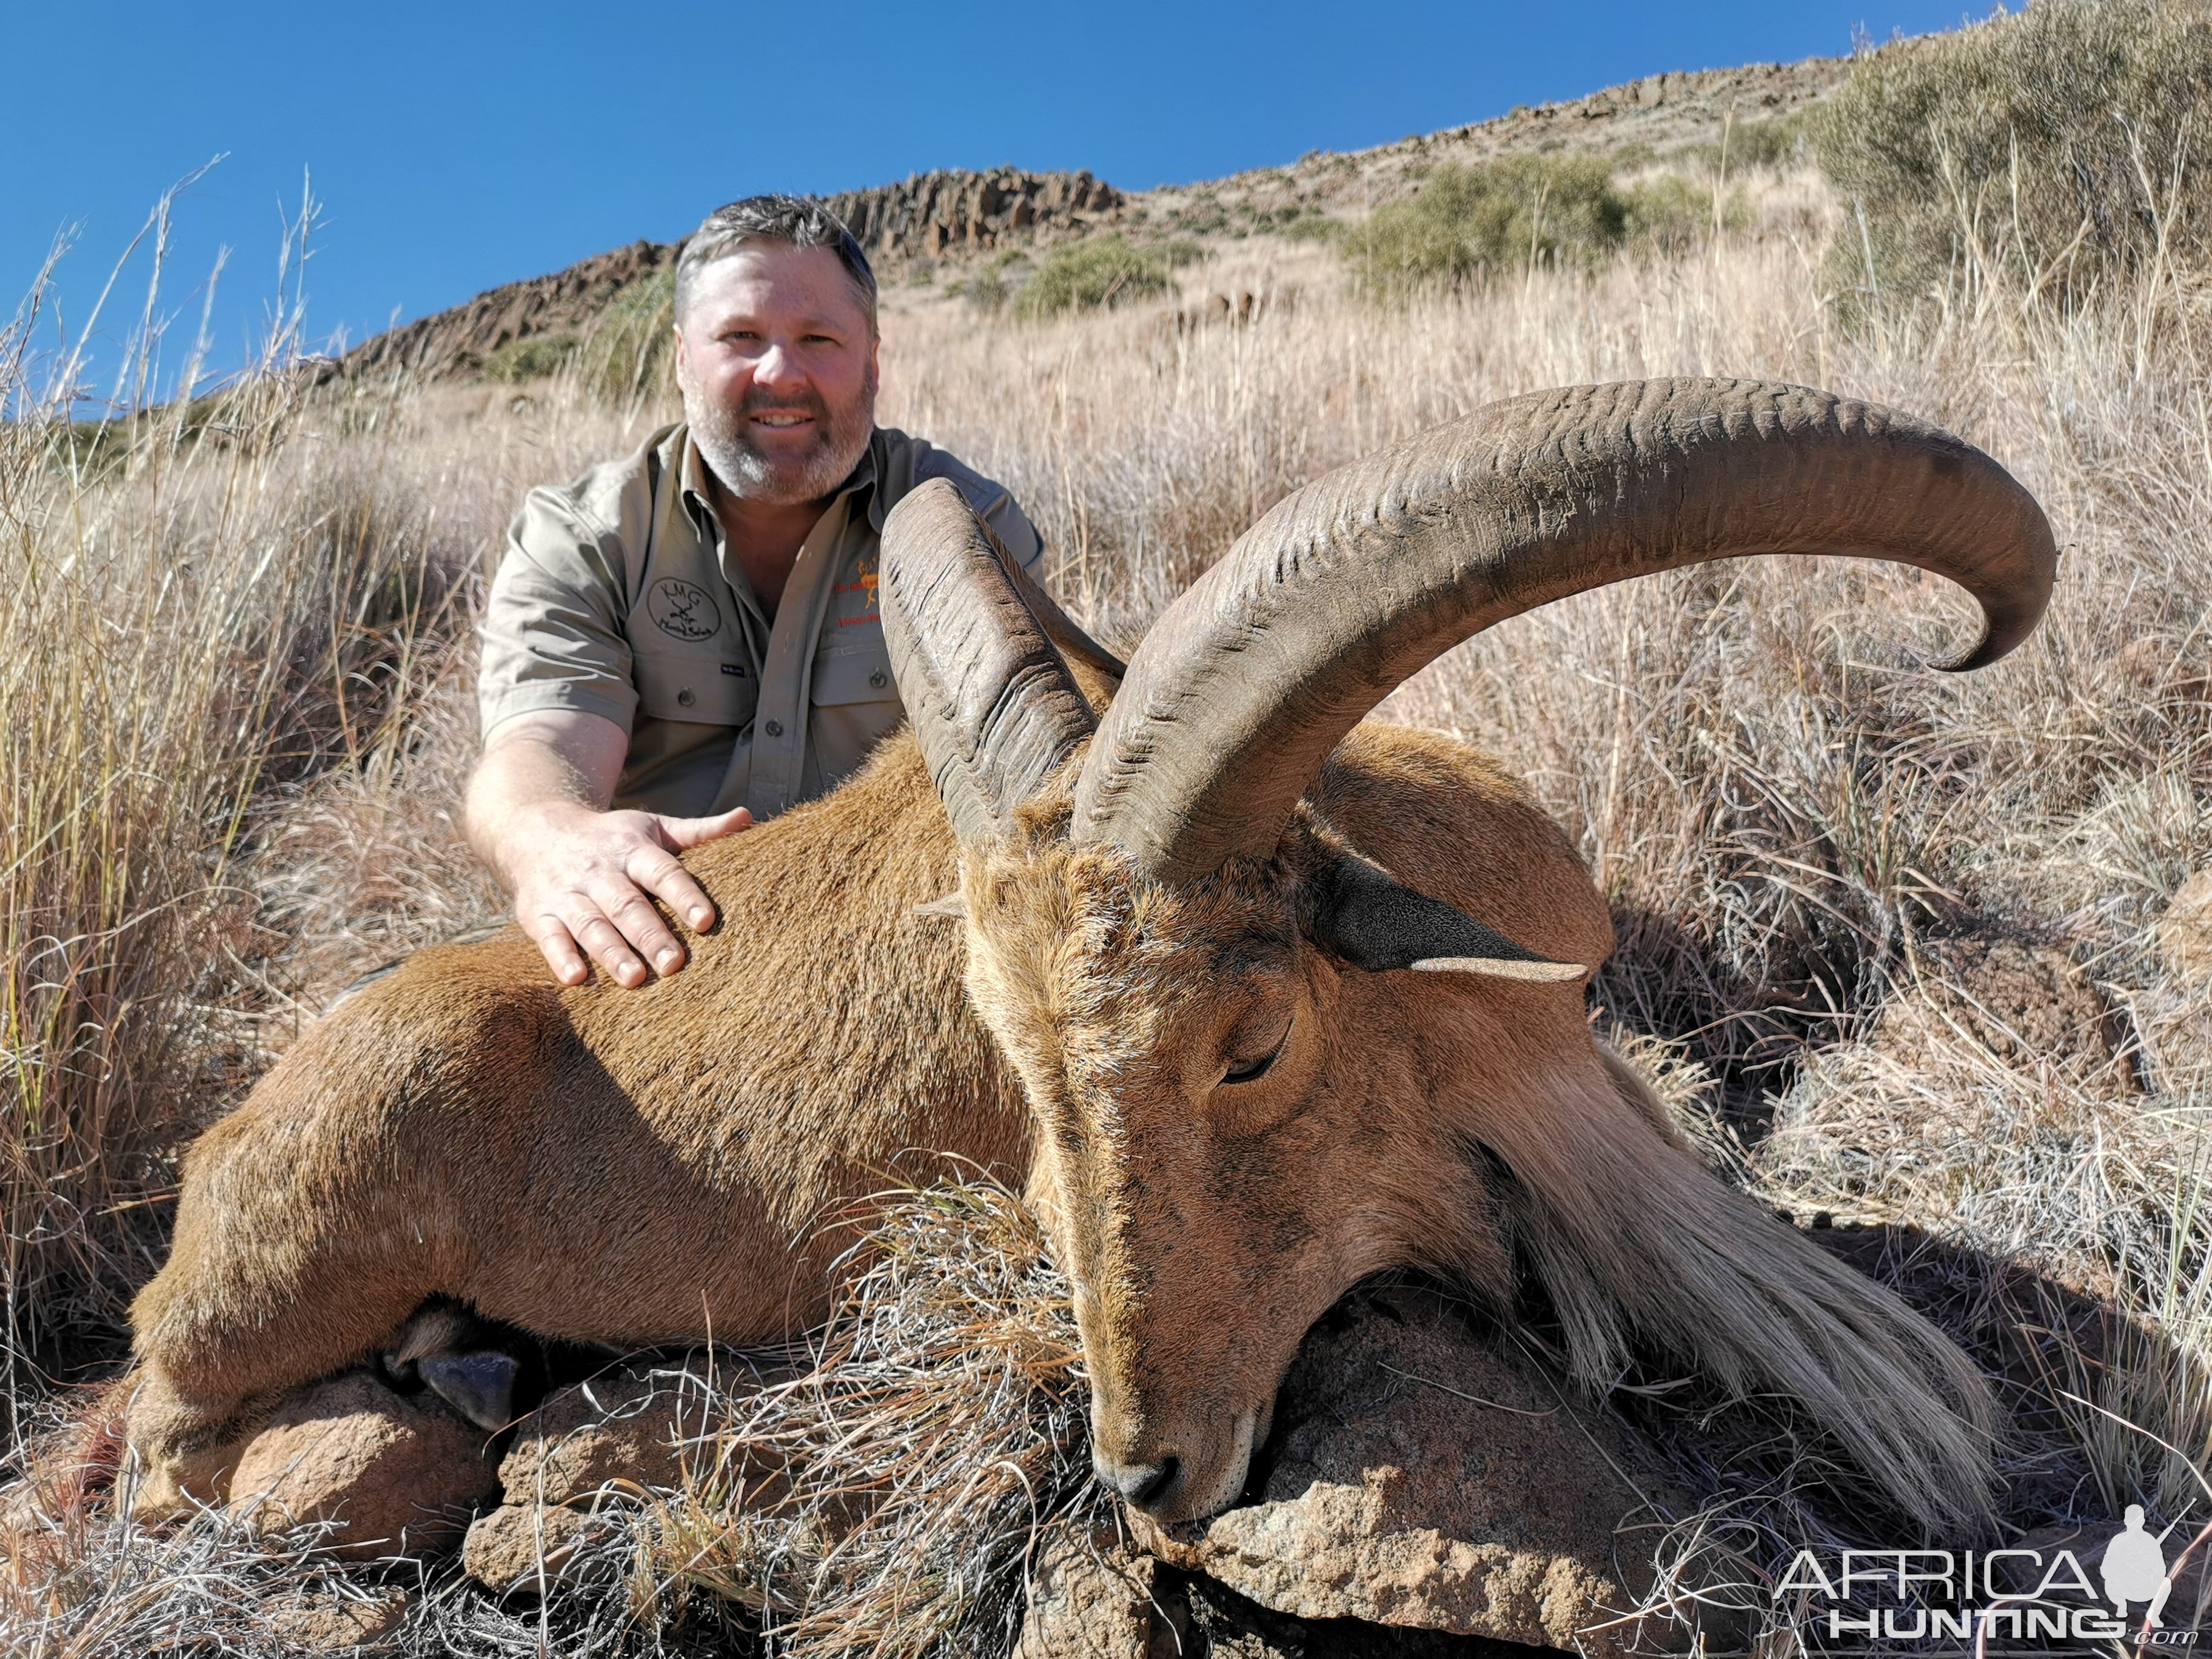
point(1143, 1485)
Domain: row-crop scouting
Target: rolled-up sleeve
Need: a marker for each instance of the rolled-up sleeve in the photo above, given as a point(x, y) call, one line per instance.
point(552, 629)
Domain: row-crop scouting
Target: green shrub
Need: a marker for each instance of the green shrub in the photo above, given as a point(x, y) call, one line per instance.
point(630, 350)
point(1671, 214)
point(1093, 273)
point(1301, 224)
point(538, 357)
point(989, 287)
point(2031, 144)
point(1773, 142)
point(1468, 224)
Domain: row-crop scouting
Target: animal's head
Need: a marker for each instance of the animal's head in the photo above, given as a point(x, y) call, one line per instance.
point(1234, 1029)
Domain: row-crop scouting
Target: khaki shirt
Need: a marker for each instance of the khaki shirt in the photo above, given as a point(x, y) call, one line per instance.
point(617, 596)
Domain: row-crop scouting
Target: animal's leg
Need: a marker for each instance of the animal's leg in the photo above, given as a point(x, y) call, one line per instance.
point(277, 1276)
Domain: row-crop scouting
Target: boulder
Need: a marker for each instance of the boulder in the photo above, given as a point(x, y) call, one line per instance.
point(1092, 1597)
point(582, 1462)
point(329, 1622)
point(2031, 1006)
point(396, 1475)
point(1425, 1476)
point(530, 1547)
point(2184, 932)
point(625, 1429)
point(628, 1431)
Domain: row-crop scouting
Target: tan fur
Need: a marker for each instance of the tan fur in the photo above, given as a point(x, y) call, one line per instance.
point(651, 1166)
point(628, 1166)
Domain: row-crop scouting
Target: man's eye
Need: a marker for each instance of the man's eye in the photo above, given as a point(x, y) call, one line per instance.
point(1254, 1069)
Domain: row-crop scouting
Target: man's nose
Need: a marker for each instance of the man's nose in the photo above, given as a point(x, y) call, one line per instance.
point(778, 368)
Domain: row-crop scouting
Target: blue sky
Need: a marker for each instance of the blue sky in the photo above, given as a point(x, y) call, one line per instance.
point(457, 146)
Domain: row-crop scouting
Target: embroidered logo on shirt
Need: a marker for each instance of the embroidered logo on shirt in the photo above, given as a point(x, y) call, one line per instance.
point(865, 585)
point(682, 610)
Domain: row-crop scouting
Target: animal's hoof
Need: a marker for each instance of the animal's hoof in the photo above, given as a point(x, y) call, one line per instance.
point(479, 1386)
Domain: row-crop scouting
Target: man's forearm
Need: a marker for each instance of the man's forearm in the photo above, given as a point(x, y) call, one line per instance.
point(534, 762)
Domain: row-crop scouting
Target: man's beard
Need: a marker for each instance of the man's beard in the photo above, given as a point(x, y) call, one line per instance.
point(725, 439)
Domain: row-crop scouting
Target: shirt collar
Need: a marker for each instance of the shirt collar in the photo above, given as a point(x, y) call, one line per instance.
point(699, 503)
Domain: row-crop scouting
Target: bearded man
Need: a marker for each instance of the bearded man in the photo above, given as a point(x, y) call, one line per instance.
point(685, 643)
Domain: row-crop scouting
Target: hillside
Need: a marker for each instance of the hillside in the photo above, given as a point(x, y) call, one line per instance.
point(931, 219)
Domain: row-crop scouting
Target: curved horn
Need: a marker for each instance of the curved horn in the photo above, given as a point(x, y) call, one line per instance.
point(990, 698)
point(1351, 585)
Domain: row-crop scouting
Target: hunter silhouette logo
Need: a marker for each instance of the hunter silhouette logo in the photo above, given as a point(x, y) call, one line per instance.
point(682, 610)
point(2134, 1569)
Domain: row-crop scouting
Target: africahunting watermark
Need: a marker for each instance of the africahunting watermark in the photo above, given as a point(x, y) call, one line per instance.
point(2008, 1600)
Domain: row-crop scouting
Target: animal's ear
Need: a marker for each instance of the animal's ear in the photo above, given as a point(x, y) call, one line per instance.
point(1374, 922)
point(952, 905)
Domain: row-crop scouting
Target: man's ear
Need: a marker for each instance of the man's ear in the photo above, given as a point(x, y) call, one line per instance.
point(1373, 922)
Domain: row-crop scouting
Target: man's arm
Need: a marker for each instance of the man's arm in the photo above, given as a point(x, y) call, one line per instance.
point(538, 815)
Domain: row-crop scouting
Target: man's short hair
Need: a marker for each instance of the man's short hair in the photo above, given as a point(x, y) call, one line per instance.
point(796, 221)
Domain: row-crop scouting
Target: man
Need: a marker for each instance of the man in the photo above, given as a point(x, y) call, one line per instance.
point(682, 643)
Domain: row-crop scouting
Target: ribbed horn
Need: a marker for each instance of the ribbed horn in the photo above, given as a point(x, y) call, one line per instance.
point(1350, 585)
point(989, 696)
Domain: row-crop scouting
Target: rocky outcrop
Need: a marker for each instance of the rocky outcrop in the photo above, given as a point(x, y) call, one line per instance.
point(928, 216)
point(458, 342)
point(932, 214)
point(1429, 1490)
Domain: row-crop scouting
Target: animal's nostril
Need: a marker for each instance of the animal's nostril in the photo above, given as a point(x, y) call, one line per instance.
point(1142, 1483)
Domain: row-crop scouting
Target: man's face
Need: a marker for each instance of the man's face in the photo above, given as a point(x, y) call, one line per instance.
point(777, 363)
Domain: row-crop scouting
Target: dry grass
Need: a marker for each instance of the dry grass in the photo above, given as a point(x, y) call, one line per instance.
point(236, 704)
point(938, 1426)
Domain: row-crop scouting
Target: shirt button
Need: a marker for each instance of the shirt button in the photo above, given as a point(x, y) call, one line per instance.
point(875, 677)
point(776, 728)
point(685, 697)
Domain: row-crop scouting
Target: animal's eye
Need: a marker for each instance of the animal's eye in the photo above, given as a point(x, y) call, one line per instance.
point(1254, 1069)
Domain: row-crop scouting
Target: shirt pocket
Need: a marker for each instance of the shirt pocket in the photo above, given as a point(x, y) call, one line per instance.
point(709, 690)
point(853, 677)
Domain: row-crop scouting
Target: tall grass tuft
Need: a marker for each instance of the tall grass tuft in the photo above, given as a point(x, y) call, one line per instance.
point(221, 617)
point(185, 632)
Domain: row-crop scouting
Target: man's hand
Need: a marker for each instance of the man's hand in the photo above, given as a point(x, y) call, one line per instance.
point(580, 875)
point(580, 879)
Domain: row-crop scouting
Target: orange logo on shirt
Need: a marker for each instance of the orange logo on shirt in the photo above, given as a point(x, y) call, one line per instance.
point(864, 585)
